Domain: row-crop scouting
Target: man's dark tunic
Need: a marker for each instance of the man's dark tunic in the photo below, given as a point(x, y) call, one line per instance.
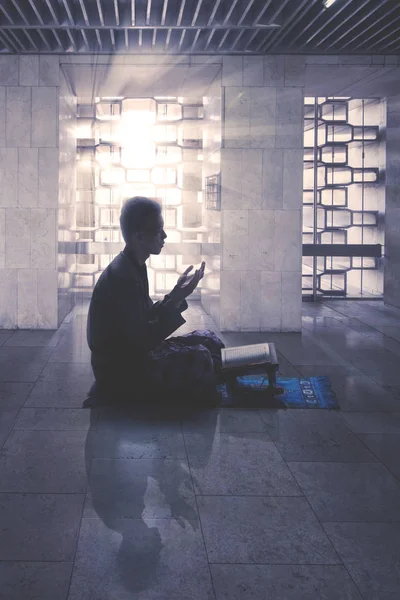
point(124, 324)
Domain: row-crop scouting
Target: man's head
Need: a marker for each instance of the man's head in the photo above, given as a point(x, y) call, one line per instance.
point(142, 226)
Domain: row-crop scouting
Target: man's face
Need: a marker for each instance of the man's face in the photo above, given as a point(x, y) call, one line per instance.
point(154, 236)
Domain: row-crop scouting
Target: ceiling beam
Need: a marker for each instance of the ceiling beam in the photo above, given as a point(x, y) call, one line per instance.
point(289, 25)
point(303, 30)
point(68, 11)
point(181, 40)
point(388, 35)
point(358, 23)
point(16, 38)
point(57, 38)
point(100, 11)
point(196, 12)
point(216, 6)
point(37, 13)
point(230, 11)
point(7, 43)
point(237, 39)
point(46, 43)
point(164, 14)
point(116, 10)
point(371, 37)
point(335, 12)
point(180, 15)
point(244, 15)
point(215, 27)
point(196, 37)
point(21, 14)
point(52, 12)
point(30, 39)
point(148, 12)
point(6, 14)
point(133, 12)
point(209, 39)
point(84, 12)
point(227, 32)
point(342, 21)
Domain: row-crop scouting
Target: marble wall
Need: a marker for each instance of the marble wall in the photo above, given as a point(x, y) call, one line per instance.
point(392, 211)
point(66, 262)
point(211, 219)
point(29, 191)
point(262, 176)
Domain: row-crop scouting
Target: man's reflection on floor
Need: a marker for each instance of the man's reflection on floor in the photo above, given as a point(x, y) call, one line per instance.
point(137, 566)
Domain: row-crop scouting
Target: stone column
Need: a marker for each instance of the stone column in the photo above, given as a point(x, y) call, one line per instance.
point(262, 181)
point(29, 191)
point(391, 287)
point(211, 246)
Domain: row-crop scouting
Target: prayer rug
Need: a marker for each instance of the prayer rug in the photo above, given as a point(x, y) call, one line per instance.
point(313, 392)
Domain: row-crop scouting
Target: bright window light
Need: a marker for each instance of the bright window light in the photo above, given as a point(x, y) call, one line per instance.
point(328, 3)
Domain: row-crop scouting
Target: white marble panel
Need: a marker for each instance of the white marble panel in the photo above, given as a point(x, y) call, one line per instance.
point(261, 240)
point(378, 59)
point(18, 238)
point(27, 298)
point(272, 182)
point(28, 186)
point(293, 171)
point(392, 59)
point(49, 70)
point(231, 178)
point(2, 116)
point(355, 59)
point(48, 178)
point(237, 117)
point(201, 59)
point(8, 298)
point(274, 75)
point(295, 67)
point(322, 59)
point(251, 176)
point(9, 70)
point(47, 298)
point(262, 116)
point(287, 238)
point(230, 301)
point(289, 118)
point(2, 238)
point(253, 71)
point(271, 294)
point(235, 239)
point(291, 301)
point(28, 69)
point(8, 177)
point(232, 71)
point(18, 117)
point(44, 235)
point(44, 117)
point(250, 301)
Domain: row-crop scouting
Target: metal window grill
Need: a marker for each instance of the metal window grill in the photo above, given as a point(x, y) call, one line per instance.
point(212, 192)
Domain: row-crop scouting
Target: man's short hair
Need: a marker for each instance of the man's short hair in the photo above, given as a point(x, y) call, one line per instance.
point(138, 214)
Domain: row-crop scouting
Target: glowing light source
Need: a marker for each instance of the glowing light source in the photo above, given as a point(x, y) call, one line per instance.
point(328, 3)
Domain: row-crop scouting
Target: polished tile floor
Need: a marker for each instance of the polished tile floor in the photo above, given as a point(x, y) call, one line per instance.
point(220, 505)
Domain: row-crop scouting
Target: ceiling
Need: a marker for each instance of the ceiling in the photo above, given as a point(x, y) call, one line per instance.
point(200, 26)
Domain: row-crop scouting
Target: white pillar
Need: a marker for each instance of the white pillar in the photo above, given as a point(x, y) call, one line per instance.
point(262, 182)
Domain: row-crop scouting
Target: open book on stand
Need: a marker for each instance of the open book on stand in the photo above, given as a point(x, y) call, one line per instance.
point(252, 355)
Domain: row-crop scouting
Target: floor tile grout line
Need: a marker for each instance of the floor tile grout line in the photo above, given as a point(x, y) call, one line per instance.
point(198, 512)
point(363, 322)
point(324, 531)
point(88, 473)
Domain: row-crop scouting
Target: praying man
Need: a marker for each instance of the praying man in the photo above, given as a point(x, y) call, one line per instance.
point(127, 333)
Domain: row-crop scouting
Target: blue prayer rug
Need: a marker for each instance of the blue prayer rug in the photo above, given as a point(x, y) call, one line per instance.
point(313, 392)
